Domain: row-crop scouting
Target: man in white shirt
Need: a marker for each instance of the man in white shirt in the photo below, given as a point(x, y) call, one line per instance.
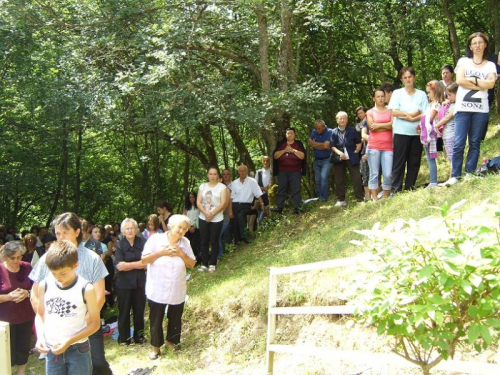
point(243, 192)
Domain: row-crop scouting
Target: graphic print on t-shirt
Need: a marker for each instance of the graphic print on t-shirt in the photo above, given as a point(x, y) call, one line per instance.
point(61, 307)
point(207, 201)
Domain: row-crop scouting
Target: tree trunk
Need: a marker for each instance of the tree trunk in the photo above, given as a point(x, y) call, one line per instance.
point(146, 185)
point(156, 172)
point(225, 156)
point(263, 48)
point(78, 161)
point(455, 46)
point(268, 134)
point(240, 146)
point(65, 168)
point(496, 23)
point(206, 135)
point(285, 53)
point(393, 48)
point(56, 196)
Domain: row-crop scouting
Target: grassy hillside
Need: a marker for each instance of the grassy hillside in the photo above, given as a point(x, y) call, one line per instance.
point(225, 318)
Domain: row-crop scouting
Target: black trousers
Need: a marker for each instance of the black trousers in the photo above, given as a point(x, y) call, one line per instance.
point(134, 299)
point(174, 326)
point(285, 180)
point(209, 235)
point(99, 364)
point(407, 154)
point(340, 176)
point(20, 337)
point(194, 239)
point(240, 212)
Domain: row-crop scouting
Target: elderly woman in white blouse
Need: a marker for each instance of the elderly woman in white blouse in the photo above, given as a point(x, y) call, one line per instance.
point(167, 256)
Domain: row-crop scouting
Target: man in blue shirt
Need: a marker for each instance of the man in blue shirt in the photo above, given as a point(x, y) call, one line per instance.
point(320, 142)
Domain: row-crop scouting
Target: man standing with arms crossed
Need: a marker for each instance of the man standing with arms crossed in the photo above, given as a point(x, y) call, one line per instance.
point(320, 142)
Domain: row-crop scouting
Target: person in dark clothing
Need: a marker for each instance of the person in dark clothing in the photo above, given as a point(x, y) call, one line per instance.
point(290, 157)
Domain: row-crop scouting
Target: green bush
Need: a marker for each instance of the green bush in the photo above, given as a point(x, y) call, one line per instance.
point(434, 283)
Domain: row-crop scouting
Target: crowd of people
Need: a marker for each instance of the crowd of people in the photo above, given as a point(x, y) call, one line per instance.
point(55, 281)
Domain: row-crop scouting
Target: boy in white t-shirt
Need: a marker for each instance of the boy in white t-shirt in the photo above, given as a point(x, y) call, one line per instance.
point(67, 314)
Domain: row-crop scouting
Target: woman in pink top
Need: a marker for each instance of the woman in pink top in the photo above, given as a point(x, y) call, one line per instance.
point(379, 150)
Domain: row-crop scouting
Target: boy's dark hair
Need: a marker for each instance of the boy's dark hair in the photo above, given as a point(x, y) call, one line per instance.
point(69, 220)
point(61, 254)
point(165, 204)
point(452, 88)
point(386, 87)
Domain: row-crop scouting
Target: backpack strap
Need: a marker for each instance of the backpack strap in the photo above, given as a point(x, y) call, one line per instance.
point(83, 291)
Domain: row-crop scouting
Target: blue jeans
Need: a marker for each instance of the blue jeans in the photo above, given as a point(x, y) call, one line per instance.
point(471, 125)
point(433, 170)
point(76, 360)
point(225, 225)
point(377, 158)
point(321, 173)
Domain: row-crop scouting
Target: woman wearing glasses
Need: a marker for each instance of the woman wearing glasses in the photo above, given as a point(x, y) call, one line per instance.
point(475, 76)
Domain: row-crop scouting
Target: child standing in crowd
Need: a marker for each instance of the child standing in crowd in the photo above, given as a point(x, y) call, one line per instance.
point(428, 133)
point(446, 124)
point(67, 314)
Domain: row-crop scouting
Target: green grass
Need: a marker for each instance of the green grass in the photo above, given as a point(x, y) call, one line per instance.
point(225, 319)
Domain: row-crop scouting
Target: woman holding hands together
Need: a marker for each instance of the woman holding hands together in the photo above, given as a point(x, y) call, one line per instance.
point(167, 255)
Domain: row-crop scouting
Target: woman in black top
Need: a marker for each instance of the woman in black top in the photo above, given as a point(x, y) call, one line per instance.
point(346, 144)
point(130, 282)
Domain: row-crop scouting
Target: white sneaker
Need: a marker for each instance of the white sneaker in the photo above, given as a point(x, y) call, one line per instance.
point(211, 269)
point(340, 204)
point(202, 269)
point(42, 356)
point(451, 181)
point(432, 185)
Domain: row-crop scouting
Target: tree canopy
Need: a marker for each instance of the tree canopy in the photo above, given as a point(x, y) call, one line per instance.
point(106, 107)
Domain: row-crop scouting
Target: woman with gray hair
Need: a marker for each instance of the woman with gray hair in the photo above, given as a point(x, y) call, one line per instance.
point(15, 306)
point(346, 146)
point(167, 255)
point(130, 282)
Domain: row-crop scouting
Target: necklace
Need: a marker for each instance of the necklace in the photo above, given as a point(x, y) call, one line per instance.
point(479, 63)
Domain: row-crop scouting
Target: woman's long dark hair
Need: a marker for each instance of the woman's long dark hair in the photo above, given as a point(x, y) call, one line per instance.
point(187, 202)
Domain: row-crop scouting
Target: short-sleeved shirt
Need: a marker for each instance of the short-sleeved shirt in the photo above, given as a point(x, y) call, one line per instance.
point(12, 312)
point(246, 191)
point(125, 252)
point(210, 199)
point(90, 267)
point(473, 100)
point(326, 135)
point(449, 128)
point(402, 101)
point(166, 276)
point(380, 140)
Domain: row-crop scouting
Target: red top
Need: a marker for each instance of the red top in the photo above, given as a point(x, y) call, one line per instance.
point(289, 162)
point(11, 312)
point(380, 140)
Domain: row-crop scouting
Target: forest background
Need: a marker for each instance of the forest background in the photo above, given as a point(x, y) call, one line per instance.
point(108, 106)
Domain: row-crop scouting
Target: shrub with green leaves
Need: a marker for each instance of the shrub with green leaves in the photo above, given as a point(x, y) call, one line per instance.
point(434, 283)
